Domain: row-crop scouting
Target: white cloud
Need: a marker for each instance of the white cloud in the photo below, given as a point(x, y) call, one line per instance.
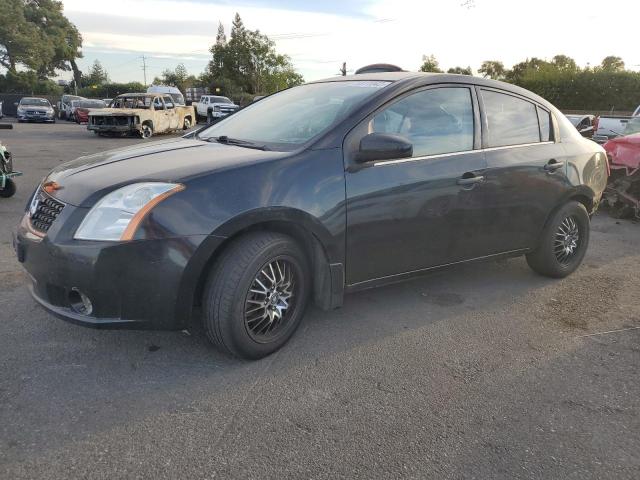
point(395, 31)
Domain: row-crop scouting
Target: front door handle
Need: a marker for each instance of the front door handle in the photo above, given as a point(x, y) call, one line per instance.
point(553, 165)
point(470, 180)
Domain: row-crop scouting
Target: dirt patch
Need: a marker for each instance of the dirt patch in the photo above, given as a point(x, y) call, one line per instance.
point(583, 300)
point(13, 279)
point(443, 299)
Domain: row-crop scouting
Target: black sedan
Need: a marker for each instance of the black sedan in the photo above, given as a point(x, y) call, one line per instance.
point(323, 189)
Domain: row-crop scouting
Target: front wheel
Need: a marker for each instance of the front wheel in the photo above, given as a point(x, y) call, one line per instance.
point(256, 295)
point(147, 131)
point(9, 189)
point(563, 243)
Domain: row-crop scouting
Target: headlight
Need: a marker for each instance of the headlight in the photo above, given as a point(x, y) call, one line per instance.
point(20, 109)
point(117, 215)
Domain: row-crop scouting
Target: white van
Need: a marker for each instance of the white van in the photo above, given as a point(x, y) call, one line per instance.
point(175, 93)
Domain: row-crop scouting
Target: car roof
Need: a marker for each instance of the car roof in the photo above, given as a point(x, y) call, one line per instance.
point(141, 94)
point(418, 79)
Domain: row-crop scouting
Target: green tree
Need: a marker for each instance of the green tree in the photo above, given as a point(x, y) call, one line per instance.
point(564, 63)
point(430, 64)
point(612, 64)
point(461, 70)
point(248, 63)
point(493, 69)
point(97, 75)
point(35, 35)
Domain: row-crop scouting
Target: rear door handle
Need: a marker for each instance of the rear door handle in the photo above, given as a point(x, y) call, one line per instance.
point(471, 180)
point(553, 165)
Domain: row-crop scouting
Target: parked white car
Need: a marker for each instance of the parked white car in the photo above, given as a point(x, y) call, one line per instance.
point(214, 107)
point(64, 106)
point(174, 92)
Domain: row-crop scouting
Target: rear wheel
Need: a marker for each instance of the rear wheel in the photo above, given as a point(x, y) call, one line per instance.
point(187, 123)
point(9, 189)
point(256, 295)
point(563, 243)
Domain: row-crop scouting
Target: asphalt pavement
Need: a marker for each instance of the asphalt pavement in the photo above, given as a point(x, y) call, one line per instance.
point(482, 371)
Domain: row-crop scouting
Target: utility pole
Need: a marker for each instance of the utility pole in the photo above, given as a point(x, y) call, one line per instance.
point(343, 70)
point(144, 69)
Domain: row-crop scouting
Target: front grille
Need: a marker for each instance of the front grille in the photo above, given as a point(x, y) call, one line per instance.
point(44, 210)
point(110, 121)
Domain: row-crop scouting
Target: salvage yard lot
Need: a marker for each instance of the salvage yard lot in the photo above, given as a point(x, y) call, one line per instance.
point(482, 371)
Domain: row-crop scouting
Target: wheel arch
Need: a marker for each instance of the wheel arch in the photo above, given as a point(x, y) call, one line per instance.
point(581, 194)
point(319, 246)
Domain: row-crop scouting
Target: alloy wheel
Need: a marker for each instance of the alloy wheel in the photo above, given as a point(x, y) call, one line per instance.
point(567, 240)
point(269, 301)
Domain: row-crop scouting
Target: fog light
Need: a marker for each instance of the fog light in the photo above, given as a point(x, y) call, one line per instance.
point(80, 303)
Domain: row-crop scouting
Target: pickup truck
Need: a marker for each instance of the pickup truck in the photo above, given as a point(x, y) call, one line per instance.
point(214, 107)
point(144, 114)
point(612, 126)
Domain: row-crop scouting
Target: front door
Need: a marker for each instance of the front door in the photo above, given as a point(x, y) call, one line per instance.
point(411, 214)
point(172, 114)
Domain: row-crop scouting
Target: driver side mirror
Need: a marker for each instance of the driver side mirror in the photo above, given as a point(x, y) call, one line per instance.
point(383, 146)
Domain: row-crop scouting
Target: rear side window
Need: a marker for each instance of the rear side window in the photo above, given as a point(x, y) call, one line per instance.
point(545, 125)
point(511, 120)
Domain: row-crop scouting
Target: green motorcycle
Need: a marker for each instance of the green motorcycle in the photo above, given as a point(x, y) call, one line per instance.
point(7, 173)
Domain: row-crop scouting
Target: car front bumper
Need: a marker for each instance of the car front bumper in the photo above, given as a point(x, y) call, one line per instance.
point(112, 128)
point(139, 284)
point(36, 118)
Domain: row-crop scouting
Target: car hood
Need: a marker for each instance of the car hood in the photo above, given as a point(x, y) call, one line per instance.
point(83, 181)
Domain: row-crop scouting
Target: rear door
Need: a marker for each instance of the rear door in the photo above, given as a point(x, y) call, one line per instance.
point(526, 168)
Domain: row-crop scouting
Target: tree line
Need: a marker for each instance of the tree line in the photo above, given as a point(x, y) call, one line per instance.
point(37, 40)
point(607, 86)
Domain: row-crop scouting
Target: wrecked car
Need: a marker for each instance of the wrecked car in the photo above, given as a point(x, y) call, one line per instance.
point(623, 191)
point(144, 114)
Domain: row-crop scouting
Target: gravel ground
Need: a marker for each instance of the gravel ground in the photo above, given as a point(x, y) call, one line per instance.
point(482, 371)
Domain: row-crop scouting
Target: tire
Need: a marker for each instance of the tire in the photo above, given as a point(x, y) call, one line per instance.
point(235, 313)
point(187, 123)
point(563, 243)
point(9, 189)
point(147, 131)
point(209, 117)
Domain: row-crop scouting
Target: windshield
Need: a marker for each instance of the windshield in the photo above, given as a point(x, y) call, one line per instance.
point(178, 99)
point(90, 104)
point(633, 126)
point(132, 102)
point(37, 102)
point(574, 120)
point(291, 118)
point(220, 100)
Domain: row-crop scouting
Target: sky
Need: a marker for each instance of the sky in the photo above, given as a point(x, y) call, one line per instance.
point(319, 35)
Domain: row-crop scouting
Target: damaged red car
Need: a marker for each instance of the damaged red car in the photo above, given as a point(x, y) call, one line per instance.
point(623, 190)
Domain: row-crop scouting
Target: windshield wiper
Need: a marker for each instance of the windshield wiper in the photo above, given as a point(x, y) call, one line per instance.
point(236, 141)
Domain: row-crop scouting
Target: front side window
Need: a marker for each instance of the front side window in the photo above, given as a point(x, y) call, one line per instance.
point(435, 121)
point(511, 120)
point(168, 101)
